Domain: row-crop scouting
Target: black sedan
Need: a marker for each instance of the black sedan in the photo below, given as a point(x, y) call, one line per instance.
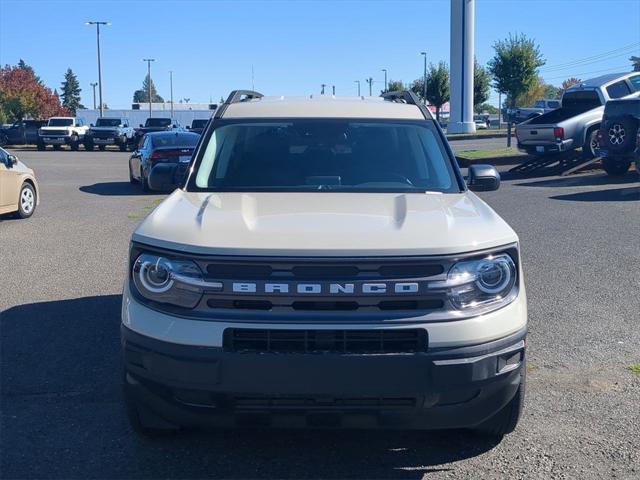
point(159, 147)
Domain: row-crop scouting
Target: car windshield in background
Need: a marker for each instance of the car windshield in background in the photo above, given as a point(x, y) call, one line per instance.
point(158, 122)
point(199, 123)
point(60, 122)
point(108, 122)
point(186, 140)
point(325, 154)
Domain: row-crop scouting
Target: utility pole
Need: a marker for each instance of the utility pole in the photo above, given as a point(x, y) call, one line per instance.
point(358, 82)
point(424, 79)
point(94, 93)
point(370, 82)
point(333, 89)
point(499, 110)
point(385, 79)
point(171, 87)
point(97, 24)
point(323, 85)
point(149, 60)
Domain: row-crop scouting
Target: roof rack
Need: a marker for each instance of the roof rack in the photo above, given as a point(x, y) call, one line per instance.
point(237, 96)
point(408, 97)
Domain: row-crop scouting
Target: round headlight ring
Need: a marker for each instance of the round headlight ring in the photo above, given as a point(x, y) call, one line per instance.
point(494, 275)
point(156, 276)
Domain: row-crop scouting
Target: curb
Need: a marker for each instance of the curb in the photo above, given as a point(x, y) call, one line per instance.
point(508, 160)
point(464, 136)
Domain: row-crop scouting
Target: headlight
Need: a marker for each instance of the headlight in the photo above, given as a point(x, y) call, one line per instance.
point(164, 280)
point(484, 283)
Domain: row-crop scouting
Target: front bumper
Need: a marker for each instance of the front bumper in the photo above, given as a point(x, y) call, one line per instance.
point(114, 138)
point(55, 139)
point(452, 387)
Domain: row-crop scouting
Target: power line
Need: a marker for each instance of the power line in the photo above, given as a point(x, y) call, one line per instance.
point(626, 50)
point(604, 70)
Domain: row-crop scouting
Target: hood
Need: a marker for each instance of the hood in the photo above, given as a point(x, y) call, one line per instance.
point(104, 129)
point(46, 128)
point(324, 224)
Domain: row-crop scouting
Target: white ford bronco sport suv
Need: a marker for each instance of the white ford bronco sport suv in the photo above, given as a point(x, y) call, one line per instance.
point(324, 264)
point(62, 131)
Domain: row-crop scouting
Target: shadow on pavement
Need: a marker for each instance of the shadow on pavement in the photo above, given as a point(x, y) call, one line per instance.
point(631, 194)
point(116, 189)
point(584, 181)
point(62, 417)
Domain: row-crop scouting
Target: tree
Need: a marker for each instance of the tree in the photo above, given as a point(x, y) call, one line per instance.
point(636, 63)
point(438, 92)
point(486, 107)
point(514, 68)
point(552, 92)
point(536, 91)
point(22, 64)
point(23, 95)
point(71, 92)
point(481, 81)
point(394, 85)
point(142, 95)
point(570, 81)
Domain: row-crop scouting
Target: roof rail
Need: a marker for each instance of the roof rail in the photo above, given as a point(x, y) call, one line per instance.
point(410, 98)
point(237, 96)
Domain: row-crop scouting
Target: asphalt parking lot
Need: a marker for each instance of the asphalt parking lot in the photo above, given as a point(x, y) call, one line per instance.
point(61, 277)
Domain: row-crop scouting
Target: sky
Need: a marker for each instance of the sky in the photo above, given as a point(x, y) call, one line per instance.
point(292, 47)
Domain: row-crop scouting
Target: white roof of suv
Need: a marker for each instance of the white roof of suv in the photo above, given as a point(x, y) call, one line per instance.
point(323, 106)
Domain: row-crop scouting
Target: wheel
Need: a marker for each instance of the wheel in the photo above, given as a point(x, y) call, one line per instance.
point(26, 201)
point(506, 420)
point(74, 144)
point(142, 420)
point(102, 147)
point(615, 167)
point(590, 145)
point(41, 146)
point(144, 182)
point(57, 147)
point(620, 134)
point(123, 145)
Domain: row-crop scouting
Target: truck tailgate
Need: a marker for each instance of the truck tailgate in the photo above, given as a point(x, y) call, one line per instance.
point(535, 134)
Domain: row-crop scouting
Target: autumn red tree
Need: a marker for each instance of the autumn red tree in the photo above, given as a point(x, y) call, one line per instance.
point(22, 95)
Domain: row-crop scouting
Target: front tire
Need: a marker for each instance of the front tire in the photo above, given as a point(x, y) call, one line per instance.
point(590, 145)
point(89, 146)
point(4, 140)
point(144, 182)
point(41, 147)
point(506, 420)
point(26, 201)
point(57, 147)
point(74, 144)
point(615, 167)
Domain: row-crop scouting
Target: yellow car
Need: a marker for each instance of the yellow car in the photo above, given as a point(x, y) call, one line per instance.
point(18, 187)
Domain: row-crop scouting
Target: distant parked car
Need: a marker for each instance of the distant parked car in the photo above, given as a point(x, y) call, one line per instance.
point(110, 131)
point(540, 107)
point(18, 186)
point(198, 125)
point(21, 133)
point(161, 147)
point(62, 131)
point(156, 124)
point(619, 136)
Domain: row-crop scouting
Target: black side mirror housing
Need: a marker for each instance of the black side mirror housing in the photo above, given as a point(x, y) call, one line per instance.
point(91, 125)
point(483, 178)
point(166, 177)
point(11, 160)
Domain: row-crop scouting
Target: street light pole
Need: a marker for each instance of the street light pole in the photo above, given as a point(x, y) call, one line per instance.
point(424, 79)
point(97, 24)
point(385, 79)
point(94, 93)
point(358, 82)
point(149, 60)
point(323, 85)
point(171, 87)
point(333, 90)
point(370, 82)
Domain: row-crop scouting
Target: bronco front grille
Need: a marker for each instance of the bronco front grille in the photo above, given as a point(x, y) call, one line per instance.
point(54, 133)
point(253, 340)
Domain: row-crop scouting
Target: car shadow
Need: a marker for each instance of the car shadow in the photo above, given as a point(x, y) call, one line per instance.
point(116, 189)
point(63, 415)
point(630, 194)
point(583, 180)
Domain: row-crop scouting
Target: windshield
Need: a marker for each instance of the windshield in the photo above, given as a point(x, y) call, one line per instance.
point(175, 140)
point(158, 122)
point(325, 154)
point(199, 123)
point(108, 122)
point(60, 122)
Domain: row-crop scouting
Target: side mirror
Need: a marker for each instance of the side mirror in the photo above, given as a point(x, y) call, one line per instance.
point(188, 127)
point(141, 126)
point(166, 177)
point(483, 178)
point(91, 125)
point(11, 160)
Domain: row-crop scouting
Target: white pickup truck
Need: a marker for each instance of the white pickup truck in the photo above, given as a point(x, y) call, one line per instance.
point(62, 131)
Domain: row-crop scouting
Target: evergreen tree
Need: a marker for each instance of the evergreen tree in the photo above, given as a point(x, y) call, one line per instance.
point(142, 95)
point(71, 92)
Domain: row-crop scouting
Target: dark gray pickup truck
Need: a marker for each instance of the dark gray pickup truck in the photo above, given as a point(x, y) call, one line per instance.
point(21, 133)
